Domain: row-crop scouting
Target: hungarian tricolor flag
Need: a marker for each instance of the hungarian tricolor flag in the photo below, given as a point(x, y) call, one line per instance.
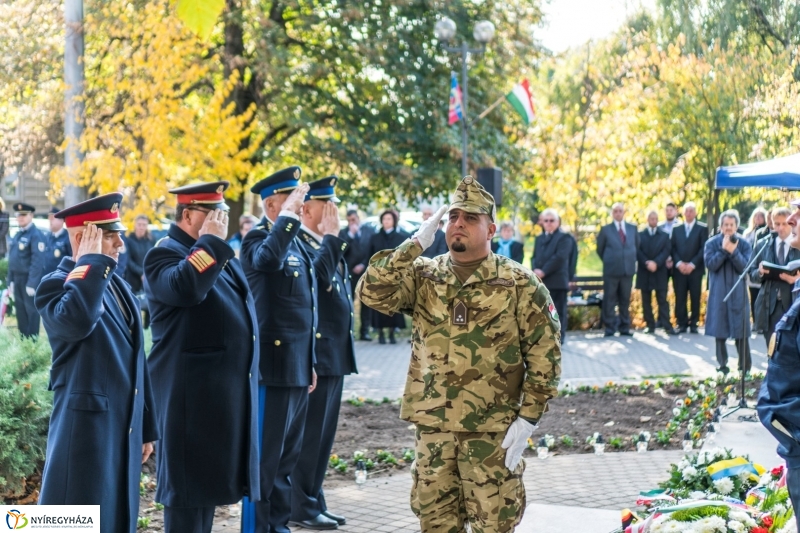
point(520, 98)
point(455, 101)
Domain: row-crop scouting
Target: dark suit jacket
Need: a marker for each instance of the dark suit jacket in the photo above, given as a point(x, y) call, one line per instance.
point(551, 254)
point(103, 407)
point(689, 249)
point(618, 259)
point(768, 295)
point(204, 365)
point(573, 258)
point(653, 248)
point(517, 250)
point(357, 251)
point(334, 349)
point(281, 276)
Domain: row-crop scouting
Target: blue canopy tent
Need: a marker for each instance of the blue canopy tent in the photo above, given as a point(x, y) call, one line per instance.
point(779, 173)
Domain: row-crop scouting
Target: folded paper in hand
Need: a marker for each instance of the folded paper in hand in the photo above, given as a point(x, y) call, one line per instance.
point(775, 271)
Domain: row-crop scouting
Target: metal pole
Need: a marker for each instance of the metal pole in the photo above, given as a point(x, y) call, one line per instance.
point(464, 121)
point(73, 97)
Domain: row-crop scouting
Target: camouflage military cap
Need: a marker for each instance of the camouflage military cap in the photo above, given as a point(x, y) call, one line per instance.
point(470, 196)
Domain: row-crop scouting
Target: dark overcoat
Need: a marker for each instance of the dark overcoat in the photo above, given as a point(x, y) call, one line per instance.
point(335, 350)
point(551, 254)
point(56, 248)
point(137, 250)
point(102, 401)
point(767, 297)
point(731, 319)
point(26, 257)
point(204, 367)
point(656, 248)
point(385, 241)
point(281, 275)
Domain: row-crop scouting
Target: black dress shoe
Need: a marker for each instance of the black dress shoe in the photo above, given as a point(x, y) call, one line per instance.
point(724, 370)
point(339, 519)
point(366, 337)
point(671, 331)
point(319, 522)
point(625, 334)
point(608, 334)
point(693, 330)
point(682, 329)
point(649, 331)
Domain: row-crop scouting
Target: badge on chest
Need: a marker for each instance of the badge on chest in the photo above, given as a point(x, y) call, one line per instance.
point(458, 314)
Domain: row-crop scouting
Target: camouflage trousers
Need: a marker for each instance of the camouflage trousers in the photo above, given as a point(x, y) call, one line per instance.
point(460, 477)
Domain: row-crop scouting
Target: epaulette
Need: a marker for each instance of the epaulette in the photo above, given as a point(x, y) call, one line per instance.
point(310, 240)
point(161, 240)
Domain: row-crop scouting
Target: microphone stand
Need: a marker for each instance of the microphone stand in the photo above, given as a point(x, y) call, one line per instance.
point(745, 346)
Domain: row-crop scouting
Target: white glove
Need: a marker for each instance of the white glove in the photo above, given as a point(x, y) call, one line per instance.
point(427, 230)
point(30, 291)
point(516, 440)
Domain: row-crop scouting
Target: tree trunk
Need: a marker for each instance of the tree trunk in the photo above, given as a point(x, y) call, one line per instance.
point(73, 98)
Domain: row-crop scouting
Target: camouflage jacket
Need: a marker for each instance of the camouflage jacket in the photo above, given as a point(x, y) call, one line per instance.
point(482, 352)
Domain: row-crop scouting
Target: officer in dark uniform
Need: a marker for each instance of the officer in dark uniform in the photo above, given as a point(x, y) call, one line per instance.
point(25, 269)
point(204, 364)
point(57, 244)
point(335, 353)
point(281, 276)
point(779, 399)
point(102, 425)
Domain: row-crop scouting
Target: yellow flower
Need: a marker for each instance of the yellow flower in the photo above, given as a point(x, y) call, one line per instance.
point(334, 457)
point(610, 384)
point(646, 383)
point(687, 401)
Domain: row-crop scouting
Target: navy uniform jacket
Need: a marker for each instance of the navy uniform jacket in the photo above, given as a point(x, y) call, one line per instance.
point(779, 399)
point(26, 255)
point(335, 351)
point(102, 401)
point(281, 276)
point(204, 365)
point(56, 247)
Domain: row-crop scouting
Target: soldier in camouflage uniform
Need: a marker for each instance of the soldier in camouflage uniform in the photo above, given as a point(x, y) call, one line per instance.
point(486, 358)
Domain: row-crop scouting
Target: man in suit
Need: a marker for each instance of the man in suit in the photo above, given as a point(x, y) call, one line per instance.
point(688, 242)
point(551, 262)
point(103, 424)
point(775, 297)
point(356, 255)
point(439, 245)
point(335, 352)
point(56, 244)
point(617, 244)
point(204, 363)
point(26, 256)
point(652, 273)
point(671, 212)
point(281, 276)
point(505, 244)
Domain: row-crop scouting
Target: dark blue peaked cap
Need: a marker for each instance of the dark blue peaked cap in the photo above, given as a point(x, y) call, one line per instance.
point(102, 211)
point(323, 189)
point(283, 181)
point(23, 209)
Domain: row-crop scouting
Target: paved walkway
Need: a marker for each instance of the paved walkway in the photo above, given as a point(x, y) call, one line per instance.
point(587, 359)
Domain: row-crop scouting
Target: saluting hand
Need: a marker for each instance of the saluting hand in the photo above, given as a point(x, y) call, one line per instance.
point(294, 202)
point(329, 225)
point(91, 242)
point(216, 223)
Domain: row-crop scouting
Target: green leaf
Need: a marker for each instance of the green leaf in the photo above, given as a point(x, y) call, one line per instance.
point(200, 16)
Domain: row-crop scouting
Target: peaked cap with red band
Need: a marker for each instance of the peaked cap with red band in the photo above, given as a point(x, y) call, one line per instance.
point(208, 195)
point(102, 211)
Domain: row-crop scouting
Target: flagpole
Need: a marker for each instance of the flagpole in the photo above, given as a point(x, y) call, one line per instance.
point(465, 121)
point(488, 109)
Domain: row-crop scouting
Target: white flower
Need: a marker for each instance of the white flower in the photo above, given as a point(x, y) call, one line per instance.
point(742, 517)
point(683, 463)
point(765, 478)
point(724, 486)
point(712, 384)
point(676, 411)
point(702, 458)
point(790, 527)
point(701, 389)
point(697, 495)
point(778, 508)
point(710, 524)
point(744, 475)
point(689, 472)
point(691, 393)
point(679, 402)
point(738, 527)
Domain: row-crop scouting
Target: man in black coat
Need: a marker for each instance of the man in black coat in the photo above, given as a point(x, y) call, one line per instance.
point(775, 297)
point(137, 244)
point(26, 257)
point(654, 248)
point(356, 255)
point(103, 422)
point(204, 364)
point(506, 245)
point(335, 352)
point(688, 243)
point(551, 262)
point(617, 244)
point(439, 245)
point(57, 245)
point(281, 275)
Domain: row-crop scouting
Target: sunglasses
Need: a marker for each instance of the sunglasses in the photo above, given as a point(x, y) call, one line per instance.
point(549, 220)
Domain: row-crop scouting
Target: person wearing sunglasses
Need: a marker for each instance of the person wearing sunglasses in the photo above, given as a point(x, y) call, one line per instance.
point(551, 262)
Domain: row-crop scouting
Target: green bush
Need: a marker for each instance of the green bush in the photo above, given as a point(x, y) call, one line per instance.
point(25, 406)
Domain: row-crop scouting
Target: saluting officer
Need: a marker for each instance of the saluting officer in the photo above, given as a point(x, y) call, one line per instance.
point(57, 245)
point(779, 399)
point(281, 276)
point(204, 364)
point(25, 269)
point(334, 351)
point(102, 425)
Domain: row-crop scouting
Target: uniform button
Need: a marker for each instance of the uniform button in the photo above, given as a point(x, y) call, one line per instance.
point(319, 335)
point(135, 391)
point(277, 343)
point(296, 274)
point(249, 375)
point(351, 332)
point(311, 270)
point(130, 431)
point(351, 314)
point(314, 309)
point(254, 337)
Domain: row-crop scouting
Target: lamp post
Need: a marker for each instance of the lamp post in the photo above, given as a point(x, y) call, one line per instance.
point(483, 32)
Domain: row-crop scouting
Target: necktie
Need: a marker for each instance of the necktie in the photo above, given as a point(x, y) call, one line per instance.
point(782, 253)
point(688, 229)
point(621, 235)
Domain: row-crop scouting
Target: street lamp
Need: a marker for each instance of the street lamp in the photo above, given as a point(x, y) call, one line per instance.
point(483, 32)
